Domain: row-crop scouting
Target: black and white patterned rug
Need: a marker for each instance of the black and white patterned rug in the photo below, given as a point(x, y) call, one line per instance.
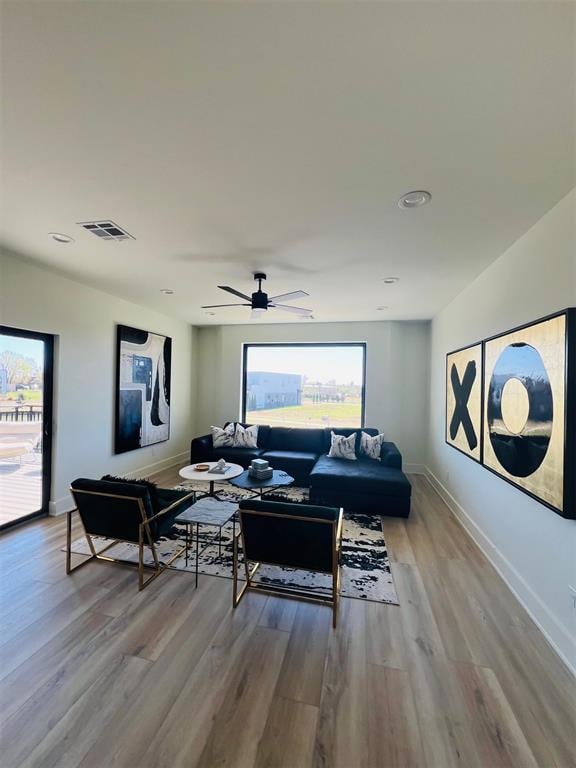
point(365, 571)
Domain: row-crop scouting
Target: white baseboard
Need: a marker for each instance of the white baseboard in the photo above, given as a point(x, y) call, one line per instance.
point(60, 506)
point(414, 469)
point(65, 504)
point(159, 466)
point(538, 611)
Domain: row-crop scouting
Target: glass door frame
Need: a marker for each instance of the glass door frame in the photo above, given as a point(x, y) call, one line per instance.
point(47, 415)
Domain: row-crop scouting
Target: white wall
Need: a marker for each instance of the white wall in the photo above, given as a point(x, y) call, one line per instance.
point(534, 549)
point(396, 373)
point(84, 320)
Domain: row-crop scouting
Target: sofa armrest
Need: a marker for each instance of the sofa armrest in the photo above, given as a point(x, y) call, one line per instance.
point(201, 449)
point(390, 456)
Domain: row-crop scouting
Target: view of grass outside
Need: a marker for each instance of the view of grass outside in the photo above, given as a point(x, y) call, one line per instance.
point(20, 372)
point(304, 385)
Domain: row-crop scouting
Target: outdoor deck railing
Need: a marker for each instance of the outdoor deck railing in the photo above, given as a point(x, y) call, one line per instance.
point(21, 413)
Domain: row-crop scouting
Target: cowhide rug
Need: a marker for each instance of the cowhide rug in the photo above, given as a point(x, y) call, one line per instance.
point(365, 571)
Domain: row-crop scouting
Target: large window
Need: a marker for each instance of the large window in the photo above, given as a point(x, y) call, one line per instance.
point(304, 385)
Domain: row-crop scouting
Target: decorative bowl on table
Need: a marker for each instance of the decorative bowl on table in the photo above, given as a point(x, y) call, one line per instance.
point(202, 467)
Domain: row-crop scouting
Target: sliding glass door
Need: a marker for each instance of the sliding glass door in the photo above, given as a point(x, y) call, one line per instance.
point(26, 363)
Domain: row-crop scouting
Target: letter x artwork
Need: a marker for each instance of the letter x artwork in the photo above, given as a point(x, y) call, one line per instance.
point(464, 400)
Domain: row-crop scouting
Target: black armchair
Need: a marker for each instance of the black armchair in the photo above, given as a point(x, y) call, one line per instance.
point(291, 535)
point(125, 511)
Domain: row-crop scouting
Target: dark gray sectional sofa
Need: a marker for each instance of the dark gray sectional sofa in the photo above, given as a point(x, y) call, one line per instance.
point(365, 485)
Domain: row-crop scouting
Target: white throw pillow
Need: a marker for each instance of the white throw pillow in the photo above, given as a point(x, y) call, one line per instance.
point(342, 447)
point(246, 437)
point(223, 438)
point(371, 445)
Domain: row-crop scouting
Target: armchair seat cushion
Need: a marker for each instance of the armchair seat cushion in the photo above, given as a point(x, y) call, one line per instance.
point(270, 536)
point(104, 513)
point(115, 514)
point(364, 475)
point(295, 439)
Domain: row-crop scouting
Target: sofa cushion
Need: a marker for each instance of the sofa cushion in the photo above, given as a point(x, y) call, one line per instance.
point(294, 439)
point(370, 503)
point(295, 463)
point(365, 474)
point(242, 456)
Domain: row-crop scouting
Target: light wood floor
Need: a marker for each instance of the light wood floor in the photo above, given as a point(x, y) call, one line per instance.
point(95, 674)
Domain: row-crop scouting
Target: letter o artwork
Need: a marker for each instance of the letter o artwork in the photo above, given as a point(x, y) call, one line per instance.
point(520, 409)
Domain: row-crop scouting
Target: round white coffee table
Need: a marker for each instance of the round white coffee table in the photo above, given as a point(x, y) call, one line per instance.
point(191, 473)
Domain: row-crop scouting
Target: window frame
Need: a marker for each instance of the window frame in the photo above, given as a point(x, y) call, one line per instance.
point(247, 345)
point(49, 341)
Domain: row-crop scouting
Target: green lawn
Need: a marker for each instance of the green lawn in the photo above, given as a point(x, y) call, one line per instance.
point(309, 415)
point(30, 395)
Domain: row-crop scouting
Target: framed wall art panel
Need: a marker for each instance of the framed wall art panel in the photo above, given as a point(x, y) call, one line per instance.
point(529, 409)
point(143, 367)
point(464, 400)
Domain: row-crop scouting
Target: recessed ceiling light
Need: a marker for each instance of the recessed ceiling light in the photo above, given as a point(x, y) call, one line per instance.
point(390, 280)
point(60, 238)
point(166, 291)
point(415, 199)
point(381, 308)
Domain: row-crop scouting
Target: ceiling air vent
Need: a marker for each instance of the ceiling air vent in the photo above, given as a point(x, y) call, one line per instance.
point(106, 230)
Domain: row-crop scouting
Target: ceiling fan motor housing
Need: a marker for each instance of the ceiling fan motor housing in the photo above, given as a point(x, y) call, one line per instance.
point(259, 300)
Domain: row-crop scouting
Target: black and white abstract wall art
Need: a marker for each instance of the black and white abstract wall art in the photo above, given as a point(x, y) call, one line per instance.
point(529, 410)
point(143, 368)
point(464, 400)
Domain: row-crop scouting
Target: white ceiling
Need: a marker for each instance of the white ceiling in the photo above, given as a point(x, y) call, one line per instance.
point(229, 137)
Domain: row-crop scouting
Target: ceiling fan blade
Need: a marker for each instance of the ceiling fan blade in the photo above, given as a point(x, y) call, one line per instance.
point(294, 310)
point(235, 292)
point(290, 296)
point(214, 306)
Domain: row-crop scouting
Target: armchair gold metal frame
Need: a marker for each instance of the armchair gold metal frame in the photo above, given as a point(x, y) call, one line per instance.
point(297, 594)
point(144, 538)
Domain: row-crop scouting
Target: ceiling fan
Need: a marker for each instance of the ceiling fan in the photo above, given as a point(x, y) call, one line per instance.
point(260, 303)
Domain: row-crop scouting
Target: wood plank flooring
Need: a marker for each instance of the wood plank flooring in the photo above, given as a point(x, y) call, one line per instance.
point(95, 674)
